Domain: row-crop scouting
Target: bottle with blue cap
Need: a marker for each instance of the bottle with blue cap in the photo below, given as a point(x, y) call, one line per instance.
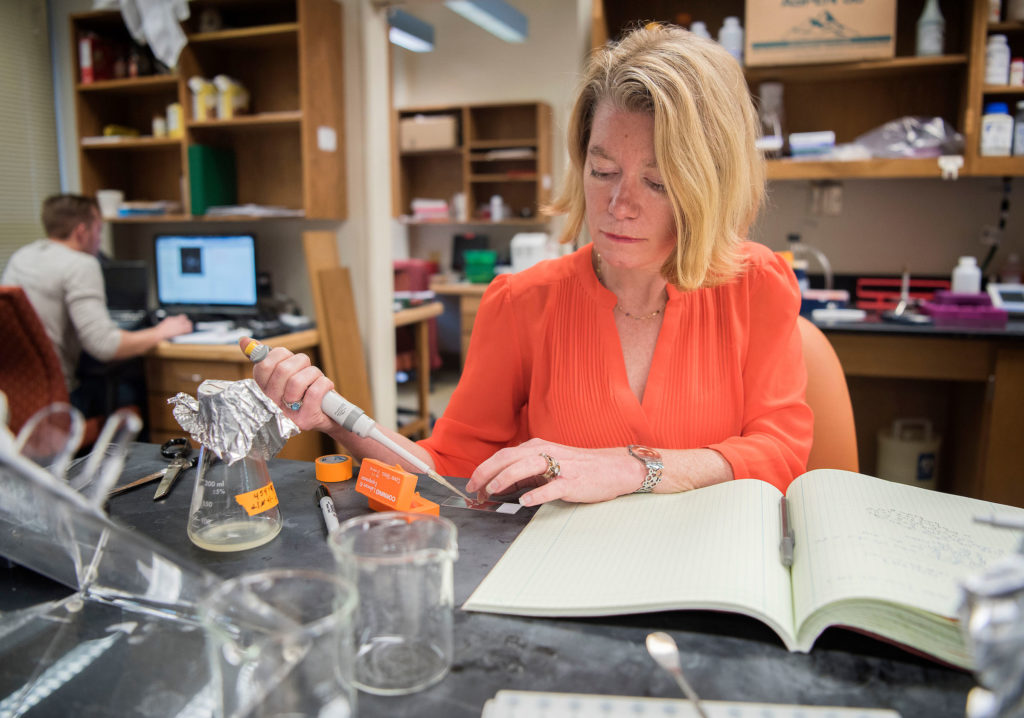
point(996, 130)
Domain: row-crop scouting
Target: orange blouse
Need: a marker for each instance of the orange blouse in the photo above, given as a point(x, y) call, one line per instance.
point(545, 361)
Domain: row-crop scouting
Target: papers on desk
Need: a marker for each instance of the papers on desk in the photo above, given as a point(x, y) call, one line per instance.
point(213, 336)
point(528, 704)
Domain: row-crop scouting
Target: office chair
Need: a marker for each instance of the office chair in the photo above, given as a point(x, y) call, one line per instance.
point(30, 373)
point(835, 436)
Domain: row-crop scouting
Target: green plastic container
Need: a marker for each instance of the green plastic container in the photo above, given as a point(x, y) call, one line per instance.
point(480, 265)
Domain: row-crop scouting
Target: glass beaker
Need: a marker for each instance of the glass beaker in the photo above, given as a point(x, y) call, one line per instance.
point(280, 644)
point(401, 565)
point(234, 506)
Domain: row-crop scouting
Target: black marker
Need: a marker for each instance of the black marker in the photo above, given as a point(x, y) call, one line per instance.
point(326, 504)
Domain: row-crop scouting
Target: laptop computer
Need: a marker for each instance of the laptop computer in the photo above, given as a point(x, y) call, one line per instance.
point(127, 287)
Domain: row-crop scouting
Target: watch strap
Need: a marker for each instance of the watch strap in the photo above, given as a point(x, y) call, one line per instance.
point(654, 468)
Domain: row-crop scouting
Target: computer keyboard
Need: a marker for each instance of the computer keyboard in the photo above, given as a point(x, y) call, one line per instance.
point(129, 319)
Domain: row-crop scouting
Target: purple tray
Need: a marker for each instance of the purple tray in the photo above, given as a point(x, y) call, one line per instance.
point(960, 315)
point(944, 296)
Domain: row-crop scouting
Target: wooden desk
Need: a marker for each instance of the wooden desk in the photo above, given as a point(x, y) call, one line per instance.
point(420, 316)
point(173, 368)
point(469, 295)
point(971, 385)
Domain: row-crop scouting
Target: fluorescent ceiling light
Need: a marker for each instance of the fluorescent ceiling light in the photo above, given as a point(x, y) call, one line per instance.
point(409, 31)
point(494, 16)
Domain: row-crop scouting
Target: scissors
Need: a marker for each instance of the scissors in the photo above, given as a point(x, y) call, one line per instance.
point(177, 450)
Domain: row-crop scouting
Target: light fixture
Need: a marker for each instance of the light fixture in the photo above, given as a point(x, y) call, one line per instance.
point(409, 31)
point(494, 16)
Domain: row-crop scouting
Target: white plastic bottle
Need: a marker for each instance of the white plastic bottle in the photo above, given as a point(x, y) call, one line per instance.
point(966, 276)
point(699, 29)
point(1018, 130)
point(730, 36)
point(497, 208)
point(996, 130)
point(931, 30)
point(997, 61)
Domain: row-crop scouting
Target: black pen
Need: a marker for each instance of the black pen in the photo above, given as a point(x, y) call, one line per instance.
point(787, 543)
point(326, 504)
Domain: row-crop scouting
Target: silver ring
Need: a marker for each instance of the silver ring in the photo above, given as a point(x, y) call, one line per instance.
point(295, 405)
point(553, 469)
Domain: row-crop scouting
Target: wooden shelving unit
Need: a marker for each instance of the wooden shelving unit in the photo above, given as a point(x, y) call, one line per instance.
point(852, 98)
point(288, 149)
point(477, 165)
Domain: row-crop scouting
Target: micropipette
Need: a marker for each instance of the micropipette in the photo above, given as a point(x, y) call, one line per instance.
point(351, 417)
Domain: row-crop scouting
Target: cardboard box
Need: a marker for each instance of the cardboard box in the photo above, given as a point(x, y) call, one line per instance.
point(797, 32)
point(427, 132)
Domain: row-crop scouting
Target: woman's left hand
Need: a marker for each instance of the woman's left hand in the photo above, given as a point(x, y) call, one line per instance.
point(583, 475)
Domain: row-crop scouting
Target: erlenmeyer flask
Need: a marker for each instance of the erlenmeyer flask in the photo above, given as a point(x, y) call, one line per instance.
point(234, 506)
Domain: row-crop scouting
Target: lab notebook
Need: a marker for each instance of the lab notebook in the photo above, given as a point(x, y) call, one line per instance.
point(882, 558)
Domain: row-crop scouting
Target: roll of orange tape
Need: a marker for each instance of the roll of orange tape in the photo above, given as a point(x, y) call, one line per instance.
point(334, 467)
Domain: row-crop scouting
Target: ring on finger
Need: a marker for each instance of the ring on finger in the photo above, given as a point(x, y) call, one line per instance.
point(553, 469)
point(294, 405)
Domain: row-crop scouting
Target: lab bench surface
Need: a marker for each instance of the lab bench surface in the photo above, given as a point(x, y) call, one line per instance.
point(725, 656)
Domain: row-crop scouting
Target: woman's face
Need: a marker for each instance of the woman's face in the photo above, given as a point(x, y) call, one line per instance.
point(628, 212)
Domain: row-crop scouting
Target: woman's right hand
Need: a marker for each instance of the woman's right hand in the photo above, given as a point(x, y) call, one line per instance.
point(288, 378)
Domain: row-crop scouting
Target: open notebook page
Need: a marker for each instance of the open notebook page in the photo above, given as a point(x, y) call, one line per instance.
point(712, 548)
point(862, 537)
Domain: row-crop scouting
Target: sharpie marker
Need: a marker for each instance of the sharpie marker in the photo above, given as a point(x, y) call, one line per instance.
point(326, 504)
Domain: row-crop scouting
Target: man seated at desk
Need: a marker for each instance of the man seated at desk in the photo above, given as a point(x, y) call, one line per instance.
point(62, 278)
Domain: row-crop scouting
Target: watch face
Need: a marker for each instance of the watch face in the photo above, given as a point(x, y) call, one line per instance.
point(642, 452)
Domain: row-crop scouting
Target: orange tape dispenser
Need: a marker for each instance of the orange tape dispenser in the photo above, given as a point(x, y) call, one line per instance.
point(390, 488)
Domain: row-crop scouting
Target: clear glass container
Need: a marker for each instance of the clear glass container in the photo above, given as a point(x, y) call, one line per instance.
point(234, 506)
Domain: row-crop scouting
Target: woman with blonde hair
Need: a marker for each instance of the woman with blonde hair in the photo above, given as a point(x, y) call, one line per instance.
point(662, 356)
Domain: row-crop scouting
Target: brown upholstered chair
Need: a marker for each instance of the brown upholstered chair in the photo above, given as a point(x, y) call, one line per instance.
point(30, 373)
point(835, 435)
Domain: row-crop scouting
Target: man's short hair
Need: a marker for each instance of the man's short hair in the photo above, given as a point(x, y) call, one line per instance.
point(63, 212)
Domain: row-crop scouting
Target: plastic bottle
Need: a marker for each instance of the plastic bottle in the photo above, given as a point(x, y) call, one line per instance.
point(699, 29)
point(931, 30)
point(966, 276)
point(1017, 71)
point(730, 36)
point(497, 208)
point(1018, 130)
point(1015, 10)
point(997, 61)
point(996, 130)
point(995, 10)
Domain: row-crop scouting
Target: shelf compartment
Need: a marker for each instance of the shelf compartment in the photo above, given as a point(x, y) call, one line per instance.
point(502, 144)
point(867, 169)
point(504, 177)
point(518, 196)
point(147, 84)
point(146, 172)
point(897, 67)
point(258, 37)
point(283, 118)
point(131, 143)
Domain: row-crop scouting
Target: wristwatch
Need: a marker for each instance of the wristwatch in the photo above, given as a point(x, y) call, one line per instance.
point(652, 461)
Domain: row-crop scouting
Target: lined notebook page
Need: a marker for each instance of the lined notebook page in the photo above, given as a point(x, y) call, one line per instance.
point(858, 536)
point(529, 704)
point(712, 548)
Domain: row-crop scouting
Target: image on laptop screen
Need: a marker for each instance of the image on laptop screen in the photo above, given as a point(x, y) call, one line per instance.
point(206, 273)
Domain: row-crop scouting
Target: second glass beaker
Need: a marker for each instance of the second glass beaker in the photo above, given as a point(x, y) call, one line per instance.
point(234, 506)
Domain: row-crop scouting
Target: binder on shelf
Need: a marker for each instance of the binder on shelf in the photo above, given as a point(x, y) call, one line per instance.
point(211, 177)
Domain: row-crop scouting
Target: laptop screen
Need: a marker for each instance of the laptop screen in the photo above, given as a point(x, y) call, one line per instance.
point(206, 273)
point(126, 283)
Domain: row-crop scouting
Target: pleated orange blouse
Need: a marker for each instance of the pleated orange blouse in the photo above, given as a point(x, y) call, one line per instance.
point(545, 361)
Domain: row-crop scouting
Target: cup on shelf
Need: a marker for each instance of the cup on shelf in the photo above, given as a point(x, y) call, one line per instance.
point(110, 202)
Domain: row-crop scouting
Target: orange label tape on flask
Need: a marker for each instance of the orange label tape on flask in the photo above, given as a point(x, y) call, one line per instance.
point(259, 500)
point(334, 467)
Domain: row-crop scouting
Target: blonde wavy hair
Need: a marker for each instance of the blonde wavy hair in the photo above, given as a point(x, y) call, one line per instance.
point(705, 126)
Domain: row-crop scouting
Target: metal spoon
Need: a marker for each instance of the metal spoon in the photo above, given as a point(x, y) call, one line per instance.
point(665, 653)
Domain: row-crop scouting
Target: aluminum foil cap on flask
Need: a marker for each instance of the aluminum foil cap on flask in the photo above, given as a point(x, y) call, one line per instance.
point(234, 419)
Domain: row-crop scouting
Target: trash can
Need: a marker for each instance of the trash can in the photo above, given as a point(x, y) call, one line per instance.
point(908, 452)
